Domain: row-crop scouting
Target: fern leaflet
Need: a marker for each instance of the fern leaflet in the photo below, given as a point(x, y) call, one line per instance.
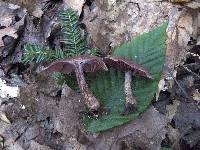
point(72, 34)
point(40, 54)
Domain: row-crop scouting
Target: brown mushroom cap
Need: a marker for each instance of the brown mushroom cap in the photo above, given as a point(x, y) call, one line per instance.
point(124, 64)
point(88, 63)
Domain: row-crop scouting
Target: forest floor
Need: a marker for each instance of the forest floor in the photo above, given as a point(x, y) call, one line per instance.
point(37, 114)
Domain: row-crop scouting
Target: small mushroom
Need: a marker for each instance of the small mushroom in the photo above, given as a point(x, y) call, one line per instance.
point(130, 68)
point(79, 65)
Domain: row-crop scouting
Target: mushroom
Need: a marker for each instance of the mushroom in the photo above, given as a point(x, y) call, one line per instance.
point(79, 65)
point(130, 68)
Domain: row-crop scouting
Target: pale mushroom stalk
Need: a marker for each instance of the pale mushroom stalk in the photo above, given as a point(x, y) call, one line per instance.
point(131, 103)
point(89, 98)
point(131, 69)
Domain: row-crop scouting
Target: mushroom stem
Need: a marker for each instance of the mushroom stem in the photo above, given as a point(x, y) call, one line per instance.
point(131, 103)
point(89, 98)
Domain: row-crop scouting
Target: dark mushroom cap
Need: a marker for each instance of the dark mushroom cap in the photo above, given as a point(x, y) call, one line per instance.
point(124, 64)
point(88, 63)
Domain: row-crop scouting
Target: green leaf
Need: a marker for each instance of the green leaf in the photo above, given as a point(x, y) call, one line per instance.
point(147, 50)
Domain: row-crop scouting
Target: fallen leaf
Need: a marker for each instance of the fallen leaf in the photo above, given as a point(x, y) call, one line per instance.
point(172, 109)
point(4, 118)
point(7, 31)
point(107, 84)
point(6, 20)
point(38, 12)
point(146, 132)
point(187, 121)
point(196, 96)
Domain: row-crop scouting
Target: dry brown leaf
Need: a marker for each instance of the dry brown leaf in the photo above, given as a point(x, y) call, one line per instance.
point(6, 20)
point(172, 109)
point(4, 118)
point(7, 31)
point(146, 132)
point(196, 96)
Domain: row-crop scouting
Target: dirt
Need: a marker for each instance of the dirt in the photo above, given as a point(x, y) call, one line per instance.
point(47, 116)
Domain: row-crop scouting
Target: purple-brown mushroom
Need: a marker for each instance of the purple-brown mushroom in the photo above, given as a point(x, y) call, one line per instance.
point(130, 68)
point(79, 65)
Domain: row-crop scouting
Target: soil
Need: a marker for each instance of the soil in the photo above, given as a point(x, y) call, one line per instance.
point(46, 116)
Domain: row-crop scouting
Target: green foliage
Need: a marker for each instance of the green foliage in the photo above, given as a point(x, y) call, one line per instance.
point(147, 50)
point(72, 35)
point(40, 54)
point(74, 45)
point(59, 77)
point(72, 38)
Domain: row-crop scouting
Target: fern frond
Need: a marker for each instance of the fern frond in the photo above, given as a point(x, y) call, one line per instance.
point(41, 54)
point(72, 34)
point(59, 78)
point(58, 54)
point(74, 44)
point(93, 52)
